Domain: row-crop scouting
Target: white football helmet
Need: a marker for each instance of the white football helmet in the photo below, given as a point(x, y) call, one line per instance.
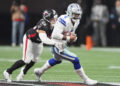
point(74, 9)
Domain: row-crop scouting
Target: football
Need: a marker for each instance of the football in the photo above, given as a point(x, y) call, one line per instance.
point(67, 33)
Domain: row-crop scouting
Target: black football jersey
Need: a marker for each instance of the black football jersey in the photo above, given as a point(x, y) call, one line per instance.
point(41, 25)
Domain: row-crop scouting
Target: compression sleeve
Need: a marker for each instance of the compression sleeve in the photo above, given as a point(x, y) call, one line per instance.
point(45, 39)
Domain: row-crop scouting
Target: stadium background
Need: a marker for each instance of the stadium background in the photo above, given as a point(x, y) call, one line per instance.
point(102, 64)
point(35, 8)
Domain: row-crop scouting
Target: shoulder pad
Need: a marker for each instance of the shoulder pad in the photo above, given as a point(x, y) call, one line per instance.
point(43, 23)
point(62, 20)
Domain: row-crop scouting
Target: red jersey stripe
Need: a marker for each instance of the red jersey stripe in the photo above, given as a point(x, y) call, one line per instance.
point(32, 35)
point(25, 48)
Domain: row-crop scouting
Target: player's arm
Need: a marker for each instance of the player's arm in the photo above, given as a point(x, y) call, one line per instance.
point(58, 33)
point(44, 38)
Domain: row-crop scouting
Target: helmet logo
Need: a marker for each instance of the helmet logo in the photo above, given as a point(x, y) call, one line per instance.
point(46, 14)
point(71, 6)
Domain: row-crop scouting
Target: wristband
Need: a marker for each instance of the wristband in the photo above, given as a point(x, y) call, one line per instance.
point(68, 38)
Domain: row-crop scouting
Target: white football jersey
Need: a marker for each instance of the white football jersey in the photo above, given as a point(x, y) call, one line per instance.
point(63, 24)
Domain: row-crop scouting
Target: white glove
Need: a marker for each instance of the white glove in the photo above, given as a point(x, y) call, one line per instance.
point(60, 46)
point(75, 39)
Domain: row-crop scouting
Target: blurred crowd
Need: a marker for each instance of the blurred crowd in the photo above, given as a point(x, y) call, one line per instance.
point(18, 12)
point(100, 17)
point(115, 24)
point(102, 23)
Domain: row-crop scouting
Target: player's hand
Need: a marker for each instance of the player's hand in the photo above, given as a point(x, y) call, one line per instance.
point(73, 37)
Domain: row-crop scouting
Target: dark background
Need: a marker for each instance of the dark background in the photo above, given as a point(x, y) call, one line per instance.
point(35, 8)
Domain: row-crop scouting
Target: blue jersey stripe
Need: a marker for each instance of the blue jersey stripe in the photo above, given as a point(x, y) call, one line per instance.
point(71, 31)
point(62, 21)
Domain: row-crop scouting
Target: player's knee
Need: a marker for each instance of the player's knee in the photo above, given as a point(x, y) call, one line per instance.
point(76, 60)
point(27, 60)
point(76, 63)
point(53, 62)
point(58, 62)
point(35, 59)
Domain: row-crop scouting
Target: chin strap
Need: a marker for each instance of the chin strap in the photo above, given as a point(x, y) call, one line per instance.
point(75, 20)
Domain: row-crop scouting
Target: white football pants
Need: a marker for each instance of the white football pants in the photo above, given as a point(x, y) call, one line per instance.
point(31, 50)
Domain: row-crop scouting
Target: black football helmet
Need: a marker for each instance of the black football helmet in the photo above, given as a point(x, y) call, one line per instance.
point(48, 14)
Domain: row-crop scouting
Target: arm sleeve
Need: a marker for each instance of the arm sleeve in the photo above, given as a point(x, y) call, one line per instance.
point(45, 39)
point(57, 31)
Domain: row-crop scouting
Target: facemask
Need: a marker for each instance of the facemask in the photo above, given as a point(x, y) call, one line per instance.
point(75, 20)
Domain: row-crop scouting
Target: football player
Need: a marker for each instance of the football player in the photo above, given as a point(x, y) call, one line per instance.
point(33, 44)
point(63, 32)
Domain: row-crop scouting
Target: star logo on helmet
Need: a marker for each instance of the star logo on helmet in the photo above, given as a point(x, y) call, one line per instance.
point(71, 6)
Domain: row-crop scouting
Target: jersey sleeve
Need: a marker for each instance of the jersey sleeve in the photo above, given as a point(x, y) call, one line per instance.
point(45, 39)
point(59, 28)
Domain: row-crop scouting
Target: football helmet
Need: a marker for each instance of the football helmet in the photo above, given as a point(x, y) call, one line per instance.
point(74, 11)
point(49, 14)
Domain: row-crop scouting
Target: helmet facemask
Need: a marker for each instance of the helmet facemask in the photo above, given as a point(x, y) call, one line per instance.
point(54, 19)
